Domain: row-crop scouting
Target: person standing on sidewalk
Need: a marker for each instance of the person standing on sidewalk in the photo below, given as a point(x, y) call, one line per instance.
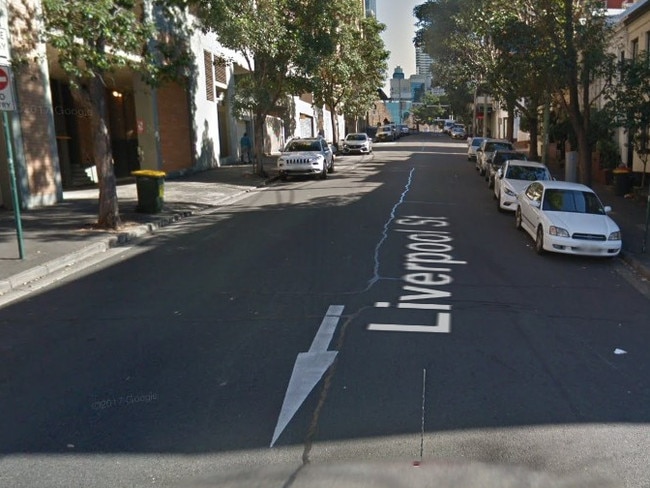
point(246, 146)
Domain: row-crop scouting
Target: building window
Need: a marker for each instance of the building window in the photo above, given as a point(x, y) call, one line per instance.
point(209, 76)
point(635, 48)
point(220, 71)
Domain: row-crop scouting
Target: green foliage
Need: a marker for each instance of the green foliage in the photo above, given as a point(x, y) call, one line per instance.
point(94, 38)
point(349, 76)
point(278, 40)
point(629, 105)
point(431, 108)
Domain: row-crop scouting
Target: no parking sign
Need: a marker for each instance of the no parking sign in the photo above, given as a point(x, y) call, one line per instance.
point(6, 90)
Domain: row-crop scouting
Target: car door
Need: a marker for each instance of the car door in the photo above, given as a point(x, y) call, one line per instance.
point(327, 153)
point(497, 179)
point(530, 206)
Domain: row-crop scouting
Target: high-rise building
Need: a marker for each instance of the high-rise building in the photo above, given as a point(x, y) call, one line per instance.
point(422, 62)
point(371, 8)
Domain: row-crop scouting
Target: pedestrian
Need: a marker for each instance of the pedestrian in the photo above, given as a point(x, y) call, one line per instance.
point(246, 145)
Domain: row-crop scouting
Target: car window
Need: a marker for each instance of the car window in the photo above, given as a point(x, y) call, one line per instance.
point(355, 137)
point(528, 173)
point(295, 146)
point(574, 201)
point(534, 191)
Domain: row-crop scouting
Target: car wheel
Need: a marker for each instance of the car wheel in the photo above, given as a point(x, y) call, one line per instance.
point(518, 218)
point(331, 168)
point(539, 241)
point(283, 177)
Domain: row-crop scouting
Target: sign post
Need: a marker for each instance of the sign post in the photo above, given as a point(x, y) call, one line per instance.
point(7, 105)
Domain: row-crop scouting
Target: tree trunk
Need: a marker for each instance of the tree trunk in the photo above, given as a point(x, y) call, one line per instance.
point(534, 136)
point(335, 127)
point(109, 213)
point(258, 143)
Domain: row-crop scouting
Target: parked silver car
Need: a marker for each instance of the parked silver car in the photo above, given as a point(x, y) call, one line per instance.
point(357, 142)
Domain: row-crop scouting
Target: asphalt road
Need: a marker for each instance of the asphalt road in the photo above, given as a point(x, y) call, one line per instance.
point(386, 316)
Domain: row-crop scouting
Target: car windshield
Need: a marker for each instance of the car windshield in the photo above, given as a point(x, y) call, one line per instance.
point(575, 201)
point(355, 137)
point(477, 141)
point(528, 173)
point(495, 146)
point(295, 146)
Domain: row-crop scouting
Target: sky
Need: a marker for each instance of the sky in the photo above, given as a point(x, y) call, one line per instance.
point(399, 33)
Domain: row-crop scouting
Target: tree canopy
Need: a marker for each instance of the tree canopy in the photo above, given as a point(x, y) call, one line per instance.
point(522, 53)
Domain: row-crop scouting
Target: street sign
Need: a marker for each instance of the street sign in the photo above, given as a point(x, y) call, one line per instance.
point(6, 90)
point(4, 44)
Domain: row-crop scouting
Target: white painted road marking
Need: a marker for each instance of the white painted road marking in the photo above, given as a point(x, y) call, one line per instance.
point(308, 369)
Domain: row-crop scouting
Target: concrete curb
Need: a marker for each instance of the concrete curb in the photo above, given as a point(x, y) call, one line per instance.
point(640, 268)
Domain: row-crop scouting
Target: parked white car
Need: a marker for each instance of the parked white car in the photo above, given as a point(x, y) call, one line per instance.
point(472, 146)
point(306, 157)
point(486, 149)
point(567, 218)
point(357, 142)
point(511, 179)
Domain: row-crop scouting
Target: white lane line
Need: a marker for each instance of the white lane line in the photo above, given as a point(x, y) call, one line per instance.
point(308, 369)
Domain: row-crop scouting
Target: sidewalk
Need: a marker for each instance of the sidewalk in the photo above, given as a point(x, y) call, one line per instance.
point(58, 236)
point(631, 216)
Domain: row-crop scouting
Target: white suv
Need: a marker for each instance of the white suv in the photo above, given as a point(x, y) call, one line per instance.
point(306, 157)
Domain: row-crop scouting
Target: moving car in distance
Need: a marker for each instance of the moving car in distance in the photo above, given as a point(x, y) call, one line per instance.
point(306, 157)
point(446, 127)
point(513, 177)
point(567, 218)
point(357, 142)
point(458, 132)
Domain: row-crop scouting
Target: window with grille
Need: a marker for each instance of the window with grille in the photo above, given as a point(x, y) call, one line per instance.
point(209, 76)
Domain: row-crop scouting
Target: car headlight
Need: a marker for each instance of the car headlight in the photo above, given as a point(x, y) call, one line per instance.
point(509, 192)
point(615, 236)
point(558, 231)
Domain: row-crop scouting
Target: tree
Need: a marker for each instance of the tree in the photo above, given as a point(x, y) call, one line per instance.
point(429, 110)
point(93, 39)
point(579, 34)
point(629, 105)
point(282, 42)
point(347, 79)
point(450, 43)
point(554, 47)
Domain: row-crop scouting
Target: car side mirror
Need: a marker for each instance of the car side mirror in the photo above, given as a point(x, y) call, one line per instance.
point(607, 209)
point(535, 203)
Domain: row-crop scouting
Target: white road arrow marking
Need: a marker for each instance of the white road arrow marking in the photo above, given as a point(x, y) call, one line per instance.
point(308, 369)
